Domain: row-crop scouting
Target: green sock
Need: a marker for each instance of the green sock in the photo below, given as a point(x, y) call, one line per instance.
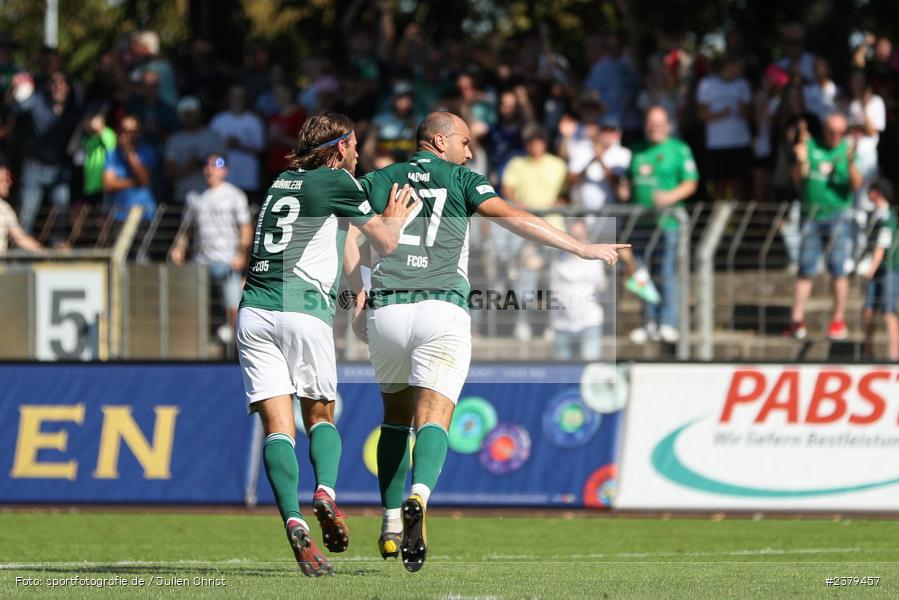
point(429, 454)
point(324, 452)
point(283, 472)
point(393, 464)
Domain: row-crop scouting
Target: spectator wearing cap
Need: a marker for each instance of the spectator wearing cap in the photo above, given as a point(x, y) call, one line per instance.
point(187, 150)
point(220, 218)
point(534, 182)
point(10, 230)
point(662, 175)
point(723, 99)
point(882, 272)
point(45, 122)
point(392, 135)
point(244, 138)
point(596, 164)
point(829, 177)
point(128, 173)
point(867, 120)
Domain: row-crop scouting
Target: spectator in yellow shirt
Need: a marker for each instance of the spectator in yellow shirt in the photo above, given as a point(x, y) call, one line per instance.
point(534, 182)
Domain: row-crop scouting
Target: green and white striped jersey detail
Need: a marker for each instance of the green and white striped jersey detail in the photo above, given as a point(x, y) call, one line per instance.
point(431, 260)
point(297, 253)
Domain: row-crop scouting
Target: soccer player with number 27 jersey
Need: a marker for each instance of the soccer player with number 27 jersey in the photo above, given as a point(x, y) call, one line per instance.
point(418, 327)
point(284, 329)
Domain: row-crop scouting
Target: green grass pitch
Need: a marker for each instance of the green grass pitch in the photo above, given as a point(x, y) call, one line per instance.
point(469, 557)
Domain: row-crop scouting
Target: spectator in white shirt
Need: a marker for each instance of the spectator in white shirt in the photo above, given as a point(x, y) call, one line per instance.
point(221, 219)
point(576, 314)
point(820, 95)
point(867, 117)
point(244, 138)
point(596, 164)
point(724, 105)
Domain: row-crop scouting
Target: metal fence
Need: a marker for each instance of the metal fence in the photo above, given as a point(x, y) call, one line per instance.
point(735, 272)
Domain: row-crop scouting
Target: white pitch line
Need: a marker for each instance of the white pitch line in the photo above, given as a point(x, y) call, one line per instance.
point(145, 563)
point(511, 558)
point(755, 552)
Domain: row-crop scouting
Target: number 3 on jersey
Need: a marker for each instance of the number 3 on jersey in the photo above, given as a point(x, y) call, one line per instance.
point(439, 196)
point(284, 223)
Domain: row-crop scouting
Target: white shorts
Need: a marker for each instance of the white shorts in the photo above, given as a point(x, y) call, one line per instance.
point(285, 353)
point(425, 344)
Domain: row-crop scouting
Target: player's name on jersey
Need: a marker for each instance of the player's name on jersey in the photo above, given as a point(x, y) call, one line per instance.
point(287, 184)
point(419, 177)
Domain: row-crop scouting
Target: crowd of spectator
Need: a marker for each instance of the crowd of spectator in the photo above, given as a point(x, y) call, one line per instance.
point(147, 129)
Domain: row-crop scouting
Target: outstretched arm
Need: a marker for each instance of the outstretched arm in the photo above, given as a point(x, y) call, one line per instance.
point(535, 229)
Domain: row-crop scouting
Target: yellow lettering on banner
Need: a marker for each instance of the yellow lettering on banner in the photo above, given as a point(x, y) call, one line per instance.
point(31, 439)
point(118, 425)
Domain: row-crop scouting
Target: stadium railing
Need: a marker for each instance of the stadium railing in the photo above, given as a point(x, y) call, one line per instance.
point(735, 295)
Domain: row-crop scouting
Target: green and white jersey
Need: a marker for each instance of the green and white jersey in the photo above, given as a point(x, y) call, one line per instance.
point(431, 260)
point(297, 253)
point(883, 234)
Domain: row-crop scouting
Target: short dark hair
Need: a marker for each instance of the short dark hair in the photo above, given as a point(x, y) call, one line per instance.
point(436, 123)
point(884, 187)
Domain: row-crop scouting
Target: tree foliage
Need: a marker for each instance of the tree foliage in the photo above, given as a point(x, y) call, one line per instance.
point(298, 28)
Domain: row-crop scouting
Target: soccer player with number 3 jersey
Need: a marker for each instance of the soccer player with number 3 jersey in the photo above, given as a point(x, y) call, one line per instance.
point(418, 327)
point(284, 330)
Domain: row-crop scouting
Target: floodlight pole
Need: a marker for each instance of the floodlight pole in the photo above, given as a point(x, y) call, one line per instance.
point(51, 24)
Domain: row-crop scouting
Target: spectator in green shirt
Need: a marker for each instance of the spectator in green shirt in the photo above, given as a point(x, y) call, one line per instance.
point(97, 141)
point(883, 271)
point(662, 175)
point(829, 178)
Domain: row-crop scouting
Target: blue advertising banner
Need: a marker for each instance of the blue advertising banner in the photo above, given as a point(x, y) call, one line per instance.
point(123, 433)
point(179, 433)
point(530, 440)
